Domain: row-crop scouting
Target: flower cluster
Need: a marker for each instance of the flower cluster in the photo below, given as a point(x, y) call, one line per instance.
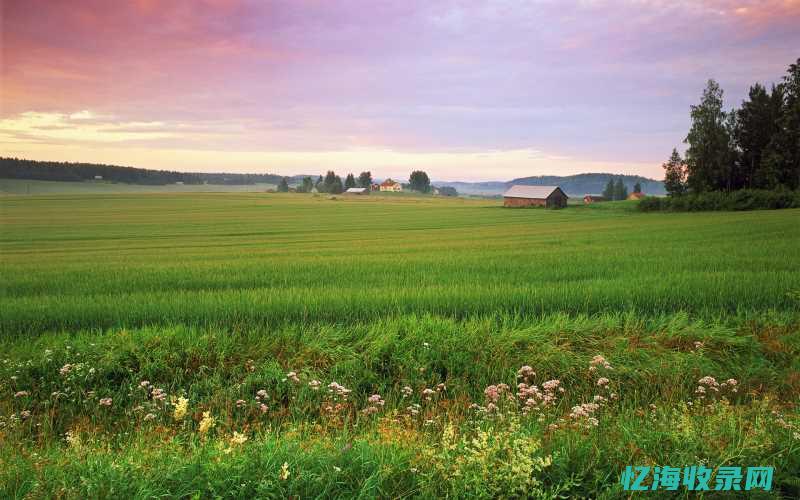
point(374, 404)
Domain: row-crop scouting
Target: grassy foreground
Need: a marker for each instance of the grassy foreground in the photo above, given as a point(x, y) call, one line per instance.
point(267, 345)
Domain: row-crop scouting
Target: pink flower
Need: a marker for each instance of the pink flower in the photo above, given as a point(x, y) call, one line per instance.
point(105, 402)
point(602, 381)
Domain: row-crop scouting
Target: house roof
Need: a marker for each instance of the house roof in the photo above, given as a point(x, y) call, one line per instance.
point(388, 182)
point(355, 190)
point(539, 192)
point(637, 196)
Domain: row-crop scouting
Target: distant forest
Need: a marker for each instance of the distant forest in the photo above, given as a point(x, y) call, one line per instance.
point(581, 184)
point(17, 168)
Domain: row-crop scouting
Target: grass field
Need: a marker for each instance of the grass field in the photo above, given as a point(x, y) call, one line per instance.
point(427, 303)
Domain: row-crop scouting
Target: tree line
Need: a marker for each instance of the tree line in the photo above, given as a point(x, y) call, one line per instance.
point(617, 190)
point(754, 147)
point(332, 183)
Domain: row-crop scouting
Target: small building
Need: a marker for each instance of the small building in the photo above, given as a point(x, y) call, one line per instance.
point(636, 196)
point(390, 185)
point(535, 196)
point(593, 198)
point(357, 191)
point(375, 187)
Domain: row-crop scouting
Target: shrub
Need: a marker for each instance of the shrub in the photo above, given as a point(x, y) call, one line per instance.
point(744, 199)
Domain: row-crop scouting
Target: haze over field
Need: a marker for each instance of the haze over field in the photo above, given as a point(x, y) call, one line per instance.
point(466, 91)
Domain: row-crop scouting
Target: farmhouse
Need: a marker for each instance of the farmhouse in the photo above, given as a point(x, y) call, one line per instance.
point(375, 187)
point(636, 196)
point(593, 198)
point(535, 196)
point(357, 191)
point(390, 185)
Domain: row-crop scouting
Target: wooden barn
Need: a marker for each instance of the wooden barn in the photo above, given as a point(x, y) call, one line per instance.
point(636, 196)
point(535, 196)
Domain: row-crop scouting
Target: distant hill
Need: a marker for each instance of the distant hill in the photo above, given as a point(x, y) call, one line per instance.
point(574, 185)
point(16, 168)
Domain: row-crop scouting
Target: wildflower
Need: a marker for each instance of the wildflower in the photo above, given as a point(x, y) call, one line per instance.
point(105, 402)
point(73, 438)
point(284, 475)
point(181, 407)
point(551, 385)
point(440, 387)
point(314, 385)
point(150, 416)
point(158, 394)
point(599, 361)
point(426, 345)
point(602, 381)
point(25, 414)
point(64, 371)
point(21, 394)
point(261, 394)
point(427, 394)
point(293, 377)
point(407, 391)
point(492, 393)
point(592, 421)
point(338, 390)
point(526, 372)
point(144, 384)
point(414, 409)
point(263, 408)
point(241, 403)
point(238, 439)
point(206, 423)
point(337, 469)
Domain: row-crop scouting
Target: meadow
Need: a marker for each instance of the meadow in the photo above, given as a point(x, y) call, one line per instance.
point(251, 344)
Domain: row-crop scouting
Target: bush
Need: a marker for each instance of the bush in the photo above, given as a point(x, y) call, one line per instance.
point(744, 199)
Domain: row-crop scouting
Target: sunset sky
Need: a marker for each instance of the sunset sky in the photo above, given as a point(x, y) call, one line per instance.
point(464, 90)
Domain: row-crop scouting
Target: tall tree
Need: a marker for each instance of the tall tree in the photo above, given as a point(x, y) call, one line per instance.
point(787, 140)
point(336, 187)
point(283, 186)
point(308, 185)
point(350, 181)
point(608, 192)
point(330, 180)
point(620, 190)
point(756, 125)
point(320, 184)
point(365, 179)
point(637, 188)
point(708, 154)
point(419, 181)
point(675, 174)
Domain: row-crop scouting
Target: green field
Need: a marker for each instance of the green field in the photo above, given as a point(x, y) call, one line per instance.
point(215, 296)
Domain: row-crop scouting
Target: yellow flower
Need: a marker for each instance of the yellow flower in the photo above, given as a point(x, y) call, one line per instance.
point(207, 423)
point(284, 471)
point(181, 407)
point(238, 438)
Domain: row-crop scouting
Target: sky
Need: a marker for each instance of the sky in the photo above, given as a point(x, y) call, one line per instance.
point(465, 90)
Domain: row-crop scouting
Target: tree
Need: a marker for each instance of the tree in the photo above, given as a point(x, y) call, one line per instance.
point(283, 186)
point(307, 185)
point(350, 181)
point(637, 188)
point(336, 187)
point(708, 155)
point(320, 185)
point(784, 149)
point(365, 179)
point(419, 181)
point(757, 123)
point(620, 190)
point(448, 191)
point(675, 174)
point(608, 192)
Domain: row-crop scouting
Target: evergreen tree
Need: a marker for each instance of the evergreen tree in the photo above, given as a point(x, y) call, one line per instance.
point(283, 186)
point(708, 154)
point(350, 181)
point(307, 186)
point(620, 190)
point(637, 188)
point(336, 186)
point(756, 125)
point(320, 185)
point(330, 180)
point(419, 181)
point(675, 174)
point(365, 179)
point(608, 192)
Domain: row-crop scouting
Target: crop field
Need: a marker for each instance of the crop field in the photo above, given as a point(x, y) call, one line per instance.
point(275, 345)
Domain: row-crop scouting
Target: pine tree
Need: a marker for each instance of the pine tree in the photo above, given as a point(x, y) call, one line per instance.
point(365, 179)
point(608, 192)
point(708, 155)
point(350, 181)
point(637, 188)
point(675, 174)
point(283, 186)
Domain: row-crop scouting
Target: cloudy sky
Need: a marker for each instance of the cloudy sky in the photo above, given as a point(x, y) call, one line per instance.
point(466, 90)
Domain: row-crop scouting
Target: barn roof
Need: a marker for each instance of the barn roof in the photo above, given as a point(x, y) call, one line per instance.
point(539, 192)
point(355, 190)
point(388, 182)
